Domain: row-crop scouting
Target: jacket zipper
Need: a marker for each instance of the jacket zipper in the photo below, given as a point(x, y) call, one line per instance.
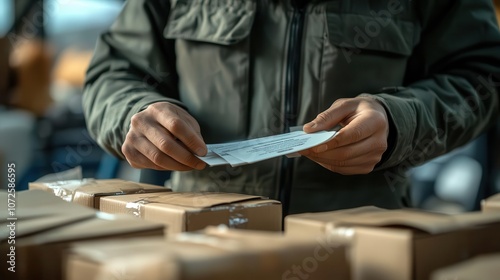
point(291, 97)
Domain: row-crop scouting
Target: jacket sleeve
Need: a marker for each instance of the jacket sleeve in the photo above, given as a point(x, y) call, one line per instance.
point(450, 95)
point(133, 66)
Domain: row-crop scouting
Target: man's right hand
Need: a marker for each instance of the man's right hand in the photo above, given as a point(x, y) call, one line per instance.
point(164, 137)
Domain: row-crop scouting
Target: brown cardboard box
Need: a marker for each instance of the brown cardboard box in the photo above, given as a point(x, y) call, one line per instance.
point(194, 211)
point(220, 254)
point(486, 267)
point(88, 192)
point(491, 204)
point(41, 226)
point(402, 244)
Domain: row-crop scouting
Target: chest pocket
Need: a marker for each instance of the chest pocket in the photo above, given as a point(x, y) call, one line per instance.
point(222, 22)
point(368, 45)
point(377, 25)
point(213, 59)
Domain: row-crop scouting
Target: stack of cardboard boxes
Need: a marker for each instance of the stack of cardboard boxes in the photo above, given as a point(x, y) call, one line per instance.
point(55, 239)
point(36, 232)
point(402, 244)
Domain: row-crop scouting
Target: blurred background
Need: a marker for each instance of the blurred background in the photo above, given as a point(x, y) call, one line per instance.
point(45, 48)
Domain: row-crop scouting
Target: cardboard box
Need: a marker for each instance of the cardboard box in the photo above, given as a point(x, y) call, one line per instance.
point(88, 192)
point(491, 204)
point(40, 226)
point(195, 211)
point(486, 267)
point(402, 244)
point(211, 254)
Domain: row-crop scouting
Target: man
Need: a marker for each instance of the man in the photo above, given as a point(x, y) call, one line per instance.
point(406, 80)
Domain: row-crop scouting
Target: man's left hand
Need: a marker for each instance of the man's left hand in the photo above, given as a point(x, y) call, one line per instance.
point(361, 142)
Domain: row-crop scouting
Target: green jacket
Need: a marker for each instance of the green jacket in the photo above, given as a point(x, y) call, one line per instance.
point(433, 64)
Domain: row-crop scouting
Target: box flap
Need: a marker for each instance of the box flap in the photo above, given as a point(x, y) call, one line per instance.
point(100, 226)
point(491, 204)
point(476, 219)
point(38, 211)
point(118, 187)
point(420, 220)
point(411, 218)
point(100, 251)
point(188, 199)
point(331, 215)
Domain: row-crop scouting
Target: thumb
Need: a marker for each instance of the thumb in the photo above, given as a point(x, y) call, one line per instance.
point(331, 117)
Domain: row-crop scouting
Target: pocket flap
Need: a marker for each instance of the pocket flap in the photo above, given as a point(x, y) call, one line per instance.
point(367, 32)
point(224, 22)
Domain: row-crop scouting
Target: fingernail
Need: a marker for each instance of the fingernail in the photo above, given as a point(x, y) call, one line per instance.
point(321, 148)
point(201, 152)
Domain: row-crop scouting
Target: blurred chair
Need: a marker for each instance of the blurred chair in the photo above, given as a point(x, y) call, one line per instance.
point(455, 182)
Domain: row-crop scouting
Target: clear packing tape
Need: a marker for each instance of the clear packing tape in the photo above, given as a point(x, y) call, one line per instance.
point(343, 234)
point(73, 190)
point(66, 189)
point(237, 218)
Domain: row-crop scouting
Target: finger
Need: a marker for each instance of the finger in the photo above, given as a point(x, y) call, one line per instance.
point(350, 170)
point(139, 161)
point(157, 157)
point(370, 159)
point(165, 142)
point(184, 131)
point(332, 116)
point(359, 129)
point(343, 148)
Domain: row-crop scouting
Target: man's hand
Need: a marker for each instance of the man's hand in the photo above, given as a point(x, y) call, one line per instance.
point(359, 145)
point(164, 137)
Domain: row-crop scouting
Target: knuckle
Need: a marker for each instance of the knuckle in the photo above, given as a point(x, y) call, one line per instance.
point(125, 151)
point(156, 157)
point(341, 102)
point(323, 116)
point(155, 107)
point(174, 124)
point(165, 146)
point(128, 151)
point(136, 120)
point(130, 138)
